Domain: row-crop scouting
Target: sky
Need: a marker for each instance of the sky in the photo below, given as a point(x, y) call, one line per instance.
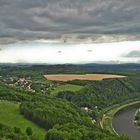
point(75, 53)
point(32, 31)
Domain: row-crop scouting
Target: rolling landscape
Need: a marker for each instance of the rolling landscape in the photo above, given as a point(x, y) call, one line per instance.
point(69, 69)
point(66, 109)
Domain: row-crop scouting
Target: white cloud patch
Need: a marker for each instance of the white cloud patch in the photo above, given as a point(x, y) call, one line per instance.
point(54, 53)
point(134, 53)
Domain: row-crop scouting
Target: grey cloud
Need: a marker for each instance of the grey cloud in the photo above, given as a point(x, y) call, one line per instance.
point(133, 54)
point(29, 19)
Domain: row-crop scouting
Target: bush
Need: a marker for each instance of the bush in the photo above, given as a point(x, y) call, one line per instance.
point(29, 131)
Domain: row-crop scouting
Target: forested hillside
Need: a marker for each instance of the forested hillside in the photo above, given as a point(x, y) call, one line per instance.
point(69, 114)
point(103, 93)
point(53, 114)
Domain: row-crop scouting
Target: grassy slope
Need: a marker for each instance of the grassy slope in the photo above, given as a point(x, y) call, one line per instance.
point(10, 116)
point(67, 87)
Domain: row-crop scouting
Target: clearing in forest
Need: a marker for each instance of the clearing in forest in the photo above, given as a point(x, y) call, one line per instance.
point(67, 87)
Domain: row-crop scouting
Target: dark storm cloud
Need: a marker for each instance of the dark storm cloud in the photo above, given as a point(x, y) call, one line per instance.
point(30, 19)
point(133, 54)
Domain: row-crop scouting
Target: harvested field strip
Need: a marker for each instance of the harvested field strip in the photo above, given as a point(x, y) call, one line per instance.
point(68, 77)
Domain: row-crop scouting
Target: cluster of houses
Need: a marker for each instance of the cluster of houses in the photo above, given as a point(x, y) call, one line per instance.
point(18, 82)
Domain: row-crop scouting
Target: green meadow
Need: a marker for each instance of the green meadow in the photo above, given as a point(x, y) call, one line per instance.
point(67, 87)
point(10, 116)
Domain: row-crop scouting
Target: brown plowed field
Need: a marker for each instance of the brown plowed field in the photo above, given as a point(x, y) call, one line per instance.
point(68, 77)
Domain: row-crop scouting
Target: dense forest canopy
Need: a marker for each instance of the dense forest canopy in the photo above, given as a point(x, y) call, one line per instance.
point(71, 115)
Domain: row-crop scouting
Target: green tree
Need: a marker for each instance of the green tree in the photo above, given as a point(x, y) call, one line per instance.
point(17, 130)
point(29, 131)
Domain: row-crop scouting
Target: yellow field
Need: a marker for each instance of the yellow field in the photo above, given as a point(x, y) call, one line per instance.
point(68, 77)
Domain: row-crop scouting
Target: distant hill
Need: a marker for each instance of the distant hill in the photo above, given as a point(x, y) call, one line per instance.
point(76, 68)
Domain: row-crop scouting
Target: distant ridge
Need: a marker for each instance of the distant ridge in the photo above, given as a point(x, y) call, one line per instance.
point(90, 68)
point(88, 64)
